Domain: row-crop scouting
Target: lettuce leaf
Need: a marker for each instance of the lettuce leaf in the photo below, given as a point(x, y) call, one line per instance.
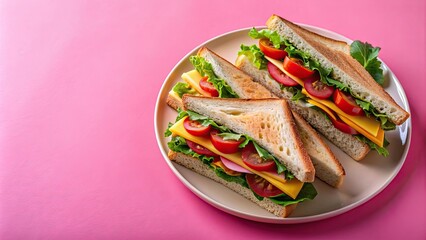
point(206, 69)
point(254, 54)
point(266, 155)
point(273, 36)
point(308, 191)
point(381, 150)
point(369, 109)
point(181, 88)
point(237, 179)
point(205, 121)
point(366, 55)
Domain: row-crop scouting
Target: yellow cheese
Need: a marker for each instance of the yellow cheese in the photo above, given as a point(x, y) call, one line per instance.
point(279, 65)
point(324, 108)
point(193, 78)
point(291, 188)
point(379, 139)
point(370, 125)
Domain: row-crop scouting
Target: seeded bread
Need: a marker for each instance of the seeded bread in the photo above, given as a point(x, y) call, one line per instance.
point(334, 55)
point(204, 170)
point(268, 121)
point(346, 142)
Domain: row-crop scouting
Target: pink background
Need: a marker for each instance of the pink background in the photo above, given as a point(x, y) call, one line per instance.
point(78, 85)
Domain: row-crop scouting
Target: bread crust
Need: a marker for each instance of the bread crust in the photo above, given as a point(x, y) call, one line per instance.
point(332, 54)
point(202, 169)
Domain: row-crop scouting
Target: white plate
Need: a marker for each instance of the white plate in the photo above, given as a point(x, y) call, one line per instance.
point(363, 179)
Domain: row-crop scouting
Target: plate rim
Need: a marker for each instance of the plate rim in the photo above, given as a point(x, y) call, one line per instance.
point(274, 219)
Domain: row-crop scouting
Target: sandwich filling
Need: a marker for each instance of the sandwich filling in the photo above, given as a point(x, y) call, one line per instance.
point(236, 158)
point(313, 84)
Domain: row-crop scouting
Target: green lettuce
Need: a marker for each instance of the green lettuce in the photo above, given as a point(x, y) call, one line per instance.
point(308, 191)
point(369, 109)
point(381, 150)
point(367, 55)
point(206, 69)
point(254, 54)
point(237, 179)
point(181, 88)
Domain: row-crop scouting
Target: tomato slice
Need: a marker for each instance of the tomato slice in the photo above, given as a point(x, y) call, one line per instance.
point(252, 159)
point(269, 50)
point(343, 126)
point(316, 88)
point(262, 187)
point(195, 128)
point(224, 146)
point(346, 103)
point(200, 149)
point(296, 68)
point(280, 77)
point(208, 87)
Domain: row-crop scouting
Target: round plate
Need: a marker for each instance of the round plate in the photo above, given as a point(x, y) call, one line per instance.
point(363, 180)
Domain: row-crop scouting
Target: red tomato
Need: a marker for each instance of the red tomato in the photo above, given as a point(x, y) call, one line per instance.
point(252, 159)
point(295, 67)
point(208, 87)
point(269, 50)
point(280, 77)
point(262, 187)
point(343, 126)
point(316, 88)
point(200, 149)
point(224, 146)
point(346, 103)
point(195, 128)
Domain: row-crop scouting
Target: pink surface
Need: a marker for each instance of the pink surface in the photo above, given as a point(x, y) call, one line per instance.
point(78, 85)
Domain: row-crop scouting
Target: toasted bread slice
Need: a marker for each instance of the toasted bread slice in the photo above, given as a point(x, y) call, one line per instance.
point(268, 121)
point(240, 82)
point(334, 55)
point(327, 167)
point(202, 169)
point(346, 142)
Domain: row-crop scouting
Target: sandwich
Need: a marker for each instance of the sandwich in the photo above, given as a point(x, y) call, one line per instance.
point(249, 145)
point(214, 76)
point(333, 86)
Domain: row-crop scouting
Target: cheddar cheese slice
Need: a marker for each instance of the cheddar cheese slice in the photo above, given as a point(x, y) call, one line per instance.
point(370, 125)
point(379, 139)
point(291, 187)
point(324, 108)
point(193, 78)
